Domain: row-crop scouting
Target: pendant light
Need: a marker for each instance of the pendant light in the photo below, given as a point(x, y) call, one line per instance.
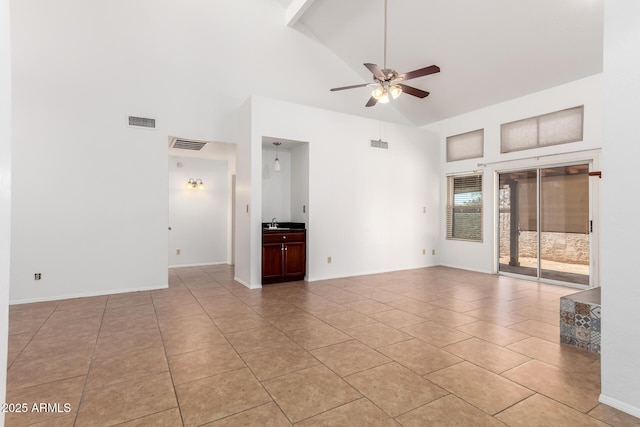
point(276, 163)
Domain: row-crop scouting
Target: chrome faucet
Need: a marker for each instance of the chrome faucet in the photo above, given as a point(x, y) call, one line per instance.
point(274, 224)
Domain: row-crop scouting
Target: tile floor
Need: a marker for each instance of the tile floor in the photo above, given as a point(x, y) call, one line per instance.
point(434, 346)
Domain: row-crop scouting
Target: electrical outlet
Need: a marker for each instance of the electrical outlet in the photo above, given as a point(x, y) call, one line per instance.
point(328, 260)
point(424, 252)
point(424, 209)
point(178, 251)
point(433, 251)
point(37, 276)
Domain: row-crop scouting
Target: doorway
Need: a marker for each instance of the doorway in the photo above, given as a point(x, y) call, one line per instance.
point(544, 226)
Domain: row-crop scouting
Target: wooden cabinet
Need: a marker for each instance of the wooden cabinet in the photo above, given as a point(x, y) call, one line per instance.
point(283, 256)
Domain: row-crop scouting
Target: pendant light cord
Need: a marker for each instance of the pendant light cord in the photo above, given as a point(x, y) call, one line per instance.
point(385, 34)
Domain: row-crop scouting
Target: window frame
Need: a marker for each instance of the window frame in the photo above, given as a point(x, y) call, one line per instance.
point(452, 207)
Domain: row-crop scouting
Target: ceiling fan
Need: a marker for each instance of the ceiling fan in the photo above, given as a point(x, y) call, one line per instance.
point(388, 82)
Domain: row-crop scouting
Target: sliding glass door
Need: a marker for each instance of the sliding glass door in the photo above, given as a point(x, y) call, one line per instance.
point(544, 223)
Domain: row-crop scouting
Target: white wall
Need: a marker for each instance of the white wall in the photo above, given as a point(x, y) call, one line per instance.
point(588, 92)
point(198, 217)
point(620, 291)
point(276, 186)
point(365, 205)
point(300, 183)
point(5, 191)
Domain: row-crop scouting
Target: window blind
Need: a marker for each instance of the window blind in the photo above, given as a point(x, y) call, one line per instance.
point(560, 127)
point(464, 207)
point(469, 145)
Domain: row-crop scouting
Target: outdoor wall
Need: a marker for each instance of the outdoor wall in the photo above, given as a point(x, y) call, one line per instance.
point(482, 256)
point(198, 217)
point(5, 192)
point(369, 209)
point(620, 290)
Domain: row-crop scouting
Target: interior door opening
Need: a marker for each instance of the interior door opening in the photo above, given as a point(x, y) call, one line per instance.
point(544, 223)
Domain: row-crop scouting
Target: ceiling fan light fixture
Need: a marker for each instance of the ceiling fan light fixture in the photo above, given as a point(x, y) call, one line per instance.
point(395, 91)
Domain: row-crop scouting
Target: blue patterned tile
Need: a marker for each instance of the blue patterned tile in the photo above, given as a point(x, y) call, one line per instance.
point(567, 330)
point(596, 311)
point(593, 348)
point(567, 305)
point(583, 335)
point(564, 339)
point(583, 321)
point(595, 324)
point(567, 317)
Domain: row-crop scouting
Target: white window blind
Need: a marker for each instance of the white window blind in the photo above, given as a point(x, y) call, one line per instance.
point(560, 127)
point(464, 207)
point(469, 145)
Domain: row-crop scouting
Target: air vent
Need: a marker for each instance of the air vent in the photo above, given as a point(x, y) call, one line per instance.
point(186, 144)
point(142, 122)
point(378, 143)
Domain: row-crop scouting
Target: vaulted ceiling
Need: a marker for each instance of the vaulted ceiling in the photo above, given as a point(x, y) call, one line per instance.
point(489, 51)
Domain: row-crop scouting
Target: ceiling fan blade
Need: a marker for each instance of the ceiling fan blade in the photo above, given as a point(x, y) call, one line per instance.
point(375, 70)
point(372, 102)
point(432, 69)
point(349, 87)
point(413, 91)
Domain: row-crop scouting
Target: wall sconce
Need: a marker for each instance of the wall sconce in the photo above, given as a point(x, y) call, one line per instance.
point(276, 163)
point(195, 183)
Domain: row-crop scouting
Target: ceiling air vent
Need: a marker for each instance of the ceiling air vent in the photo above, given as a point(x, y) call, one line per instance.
point(378, 143)
point(142, 122)
point(187, 144)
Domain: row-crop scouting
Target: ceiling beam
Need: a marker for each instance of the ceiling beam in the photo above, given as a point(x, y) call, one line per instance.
point(296, 9)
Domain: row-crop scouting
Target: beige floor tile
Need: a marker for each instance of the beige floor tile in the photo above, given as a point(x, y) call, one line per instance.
point(343, 297)
point(32, 311)
point(86, 302)
point(315, 337)
point(448, 318)
point(60, 345)
point(558, 355)
point(435, 334)
point(413, 306)
point(306, 393)
point(448, 411)
point(128, 323)
point(346, 319)
point(383, 296)
point(358, 413)
point(112, 345)
point(419, 356)
point(170, 311)
point(394, 388)
point(58, 327)
point(479, 387)
point(294, 320)
point(578, 391)
point(273, 362)
point(496, 316)
point(268, 415)
point(493, 333)
point(18, 342)
point(240, 322)
point(224, 310)
point(168, 418)
point(126, 401)
point(349, 357)
point(58, 421)
point(256, 339)
point(378, 335)
point(77, 313)
point(457, 305)
point(203, 363)
point(126, 366)
point(614, 417)
point(538, 329)
point(397, 318)
point(184, 325)
point(273, 307)
point(367, 306)
point(539, 410)
point(487, 355)
point(64, 391)
point(30, 371)
point(219, 396)
point(197, 339)
point(129, 299)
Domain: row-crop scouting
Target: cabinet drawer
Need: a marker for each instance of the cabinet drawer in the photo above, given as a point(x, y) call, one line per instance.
point(283, 237)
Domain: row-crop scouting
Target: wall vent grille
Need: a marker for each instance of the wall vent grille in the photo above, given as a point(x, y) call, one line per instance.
point(378, 143)
point(142, 122)
point(186, 144)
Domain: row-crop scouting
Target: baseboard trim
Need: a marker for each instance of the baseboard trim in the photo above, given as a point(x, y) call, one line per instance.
point(203, 264)
point(87, 294)
point(624, 407)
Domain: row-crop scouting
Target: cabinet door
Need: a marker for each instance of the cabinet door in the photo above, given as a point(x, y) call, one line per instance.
point(294, 260)
point(272, 260)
